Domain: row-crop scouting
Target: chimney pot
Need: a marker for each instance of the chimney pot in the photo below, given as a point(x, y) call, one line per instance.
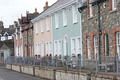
point(35, 10)
point(46, 6)
point(46, 3)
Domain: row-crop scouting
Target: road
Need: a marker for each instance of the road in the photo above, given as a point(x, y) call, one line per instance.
point(11, 75)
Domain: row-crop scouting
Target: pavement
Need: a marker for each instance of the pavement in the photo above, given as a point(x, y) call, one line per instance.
point(12, 75)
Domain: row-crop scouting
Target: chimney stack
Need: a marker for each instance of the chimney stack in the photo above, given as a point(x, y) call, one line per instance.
point(46, 6)
point(35, 10)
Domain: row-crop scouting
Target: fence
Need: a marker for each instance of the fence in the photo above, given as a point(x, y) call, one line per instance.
point(107, 64)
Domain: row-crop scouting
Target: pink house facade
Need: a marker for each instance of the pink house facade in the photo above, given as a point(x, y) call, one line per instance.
point(18, 40)
point(43, 33)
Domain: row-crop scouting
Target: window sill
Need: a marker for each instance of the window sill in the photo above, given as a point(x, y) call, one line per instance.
point(74, 22)
point(65, 25)
point(48, 30)
point(90, 17)
point(115, 10)
point(57, 28)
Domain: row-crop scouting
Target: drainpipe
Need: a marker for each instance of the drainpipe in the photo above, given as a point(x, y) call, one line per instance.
point(99, 33)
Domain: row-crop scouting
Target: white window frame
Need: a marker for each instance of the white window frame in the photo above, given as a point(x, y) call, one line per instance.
point(50, 47)
point(59, 46)
point(39, 48)
point(9, 37)
point(114, 4)
point(42, 49)
point(47, 23)
point(47, 47)
point(118, 43)
point(78, 45)
point(74, 13)
point(64, 17)
point(73, 46)
point(56, 20)
point(105, 46)
point(95, 46)
point(88, 48)
point(42, 25)
point(36, 28)
point(90, 10)
point(55, 47)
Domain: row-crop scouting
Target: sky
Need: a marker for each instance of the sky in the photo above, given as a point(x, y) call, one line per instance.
point(11, 10)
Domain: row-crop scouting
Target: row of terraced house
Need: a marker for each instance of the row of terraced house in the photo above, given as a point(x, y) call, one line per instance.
point(69, 27)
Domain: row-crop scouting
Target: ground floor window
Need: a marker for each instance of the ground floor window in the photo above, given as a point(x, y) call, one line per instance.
point(88, 48)
point(95, 46)
point(118, 43)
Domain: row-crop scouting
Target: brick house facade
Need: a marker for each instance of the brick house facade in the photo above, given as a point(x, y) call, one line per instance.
point(110, 27)
point(27, 33)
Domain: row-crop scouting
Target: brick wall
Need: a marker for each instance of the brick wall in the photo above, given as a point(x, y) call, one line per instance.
point(110, 24)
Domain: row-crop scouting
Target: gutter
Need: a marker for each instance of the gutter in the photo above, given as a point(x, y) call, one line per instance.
point(54, 10)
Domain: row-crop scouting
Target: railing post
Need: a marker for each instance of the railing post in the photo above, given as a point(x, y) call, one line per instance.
point(47, 61)
point(40, 61)
point(96, 63)
point(67, 61)
point(56, 61)
point(24, 59)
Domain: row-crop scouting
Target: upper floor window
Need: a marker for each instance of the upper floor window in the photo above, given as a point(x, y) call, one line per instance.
point(64, 17)
point(47, 23)
point(56, 20)
point(74, 13)
point(90, 10)
point(42, 26)
point(36, 28)
point(114, 4)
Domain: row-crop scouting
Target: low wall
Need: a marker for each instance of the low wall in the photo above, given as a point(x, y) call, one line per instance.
point(27, 69)
point(70, 75)
point(16, 68)
point(74, 75)
point(8, 66)
point(44, 72)
point(56, 74)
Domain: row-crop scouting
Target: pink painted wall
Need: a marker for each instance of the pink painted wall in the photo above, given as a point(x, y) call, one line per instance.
point(45, 36)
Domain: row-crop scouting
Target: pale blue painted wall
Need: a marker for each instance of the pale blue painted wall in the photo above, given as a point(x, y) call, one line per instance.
point(71, 30)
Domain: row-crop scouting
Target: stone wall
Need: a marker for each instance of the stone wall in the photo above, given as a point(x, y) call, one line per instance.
point(27, 70)
point(44, 72)
point(110, 24)
point(59, 74)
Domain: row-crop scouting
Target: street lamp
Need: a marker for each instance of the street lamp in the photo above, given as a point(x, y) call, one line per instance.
point(96, 2)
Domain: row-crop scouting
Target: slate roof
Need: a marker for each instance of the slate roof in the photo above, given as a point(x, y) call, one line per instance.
point(31, 16)
point(55, 5)
point(10, 32)
point(6, 45)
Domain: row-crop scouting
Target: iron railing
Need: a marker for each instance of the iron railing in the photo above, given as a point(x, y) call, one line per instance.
point(109, 64)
